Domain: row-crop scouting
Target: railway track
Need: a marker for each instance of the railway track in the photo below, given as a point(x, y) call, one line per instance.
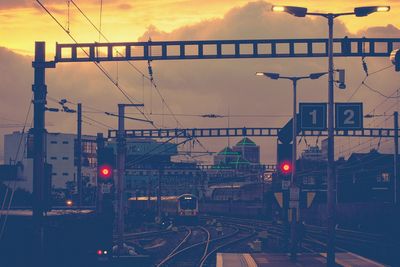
point(192, 251)
point(242, 234)
point(198, 245)
point(371, 245)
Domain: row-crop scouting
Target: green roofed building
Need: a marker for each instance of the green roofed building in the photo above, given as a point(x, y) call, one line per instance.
point(225, 156)
point(249, 150)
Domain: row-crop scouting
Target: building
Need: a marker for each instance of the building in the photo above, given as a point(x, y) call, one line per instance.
point(241, 163)
point(149, 165)
point(60, 153)
point(366, 177)
point(324, 149)
point(248, 150)
point(312, 153)
point(225, 156)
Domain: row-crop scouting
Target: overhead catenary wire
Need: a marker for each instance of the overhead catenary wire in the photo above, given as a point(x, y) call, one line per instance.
point(98, 65)
point(365, 78)
point(150, 77)
point(385, 119)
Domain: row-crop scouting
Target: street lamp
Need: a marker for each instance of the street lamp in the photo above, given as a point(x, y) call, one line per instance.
point(358, 12)
point(294, 79)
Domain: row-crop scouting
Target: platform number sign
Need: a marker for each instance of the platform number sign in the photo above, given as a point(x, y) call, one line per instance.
point(348, 116)
point(313, 116)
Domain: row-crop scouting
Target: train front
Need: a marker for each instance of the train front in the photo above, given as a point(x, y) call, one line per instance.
point(188, 208)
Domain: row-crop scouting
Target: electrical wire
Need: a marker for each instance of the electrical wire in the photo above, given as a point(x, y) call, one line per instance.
point(98, 122)
point(150, 77)
point(365, 78)
point(98, 65)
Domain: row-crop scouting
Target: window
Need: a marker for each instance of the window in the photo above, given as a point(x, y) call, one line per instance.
point(54, 173)
point(65, 142)
point(384, 177)
point(54, 158)
point(53, 142)
point(309, 180)
point(65, 174)
point(65, 158)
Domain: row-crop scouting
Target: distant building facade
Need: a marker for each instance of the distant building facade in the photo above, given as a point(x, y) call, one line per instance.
point(60, 153)
point(248, 150)
point(149, 165)
point(313, 153)
point(241, 163)
point(366, 177)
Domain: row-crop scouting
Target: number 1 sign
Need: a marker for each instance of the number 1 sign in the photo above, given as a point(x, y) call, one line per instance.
point(348, 116)
point(313, 116)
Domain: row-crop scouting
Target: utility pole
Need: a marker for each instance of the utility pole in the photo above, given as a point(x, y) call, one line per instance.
point(160, 175)
point(121, 147)
point(396, 155)
point(39, 104)
point(39, 89)
point(79, 154)
point(99, 199)
point(121, 154)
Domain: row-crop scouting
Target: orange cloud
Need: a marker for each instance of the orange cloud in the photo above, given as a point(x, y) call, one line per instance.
point(23, 22)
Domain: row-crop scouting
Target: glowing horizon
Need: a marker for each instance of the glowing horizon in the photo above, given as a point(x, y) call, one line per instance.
point(24, 23)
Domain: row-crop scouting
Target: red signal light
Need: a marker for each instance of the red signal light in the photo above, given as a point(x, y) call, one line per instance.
point(99, 252)
point(286, 167)
point(105, 171)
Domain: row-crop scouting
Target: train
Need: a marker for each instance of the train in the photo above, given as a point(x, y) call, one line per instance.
point(181, 209)
point(188, 208)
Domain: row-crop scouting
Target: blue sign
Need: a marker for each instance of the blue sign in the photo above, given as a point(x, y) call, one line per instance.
point(313, 116)
point(348, 116)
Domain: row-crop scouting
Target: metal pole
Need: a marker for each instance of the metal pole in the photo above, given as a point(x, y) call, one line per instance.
point(160, 173)
point(294, 131)
point(293, 253)
point(331, 146)
point(79, 154)
point(396, 155)
point(121, 176)
point(99, 199)
point(39, 103)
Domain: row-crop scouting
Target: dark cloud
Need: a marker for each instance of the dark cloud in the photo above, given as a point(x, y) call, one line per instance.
point(388, 31)
point(9, 4)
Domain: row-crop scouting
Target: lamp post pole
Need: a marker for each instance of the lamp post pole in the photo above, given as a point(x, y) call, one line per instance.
point(396, 155)
point(294, 188)
point(358, 12)
point(331, 202)
point(293, 237)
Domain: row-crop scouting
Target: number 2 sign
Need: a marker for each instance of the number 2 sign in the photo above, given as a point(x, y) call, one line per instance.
point(348, 116)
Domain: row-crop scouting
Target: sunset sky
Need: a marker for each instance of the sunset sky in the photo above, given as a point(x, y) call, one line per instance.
point(195, 86)
point(23, 21)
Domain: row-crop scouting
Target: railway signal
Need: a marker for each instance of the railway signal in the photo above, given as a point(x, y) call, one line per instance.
point(106, 163)
point(284, 160)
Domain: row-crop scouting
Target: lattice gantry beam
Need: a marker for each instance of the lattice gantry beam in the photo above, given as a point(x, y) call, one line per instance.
point(232, 132)
point(219, 49)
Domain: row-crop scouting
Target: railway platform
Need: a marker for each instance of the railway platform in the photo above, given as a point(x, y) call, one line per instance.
point(346, 259)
